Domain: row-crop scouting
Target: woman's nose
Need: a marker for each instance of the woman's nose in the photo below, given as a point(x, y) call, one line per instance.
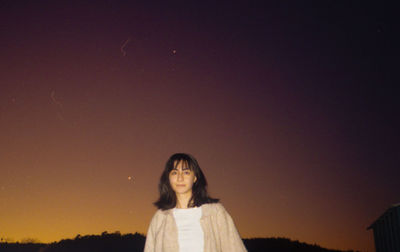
point(180, 176)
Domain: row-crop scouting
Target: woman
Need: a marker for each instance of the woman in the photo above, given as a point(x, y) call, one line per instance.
point(188, 220)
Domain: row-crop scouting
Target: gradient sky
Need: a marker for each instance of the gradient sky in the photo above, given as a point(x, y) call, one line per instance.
point(288, 107)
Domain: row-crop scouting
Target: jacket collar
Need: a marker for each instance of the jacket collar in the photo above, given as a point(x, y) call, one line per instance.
point(206, 209)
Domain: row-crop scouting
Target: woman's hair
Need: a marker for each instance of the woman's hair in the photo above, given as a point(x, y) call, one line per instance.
point(199, 197)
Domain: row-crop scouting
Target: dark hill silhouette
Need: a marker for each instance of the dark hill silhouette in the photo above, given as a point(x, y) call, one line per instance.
point(20, 247)
point(115, 242)
point(283, 245)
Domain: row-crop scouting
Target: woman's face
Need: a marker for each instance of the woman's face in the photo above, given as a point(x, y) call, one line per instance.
point(182, 179)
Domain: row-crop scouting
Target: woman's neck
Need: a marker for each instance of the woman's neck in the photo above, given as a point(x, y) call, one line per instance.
point(182, 200)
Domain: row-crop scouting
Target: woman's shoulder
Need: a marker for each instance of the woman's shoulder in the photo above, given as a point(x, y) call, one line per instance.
point(212, 208)
point(160, 214)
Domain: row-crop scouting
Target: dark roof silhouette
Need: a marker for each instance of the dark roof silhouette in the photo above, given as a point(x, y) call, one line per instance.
point(389, 210)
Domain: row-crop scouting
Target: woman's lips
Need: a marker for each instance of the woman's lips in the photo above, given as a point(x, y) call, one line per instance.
point(180, 185)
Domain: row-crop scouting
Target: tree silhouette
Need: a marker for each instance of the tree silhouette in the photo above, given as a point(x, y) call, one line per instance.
point(116, 242)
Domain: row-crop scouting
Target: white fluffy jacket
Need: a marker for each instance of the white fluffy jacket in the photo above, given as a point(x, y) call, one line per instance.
point(220, 233)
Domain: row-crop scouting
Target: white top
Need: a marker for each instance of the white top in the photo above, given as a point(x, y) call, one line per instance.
point(190, 232)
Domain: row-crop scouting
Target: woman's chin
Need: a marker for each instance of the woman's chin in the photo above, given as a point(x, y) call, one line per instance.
point(181, 190)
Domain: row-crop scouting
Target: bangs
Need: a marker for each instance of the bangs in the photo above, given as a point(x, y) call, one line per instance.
point(186, 164)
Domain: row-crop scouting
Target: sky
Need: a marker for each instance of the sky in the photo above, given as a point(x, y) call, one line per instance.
point(290, 109)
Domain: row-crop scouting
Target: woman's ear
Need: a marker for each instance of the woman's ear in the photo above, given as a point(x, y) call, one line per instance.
point(195, 179)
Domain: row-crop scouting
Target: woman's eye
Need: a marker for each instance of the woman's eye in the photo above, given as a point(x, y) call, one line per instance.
point(173, 173)
point(187, 172)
